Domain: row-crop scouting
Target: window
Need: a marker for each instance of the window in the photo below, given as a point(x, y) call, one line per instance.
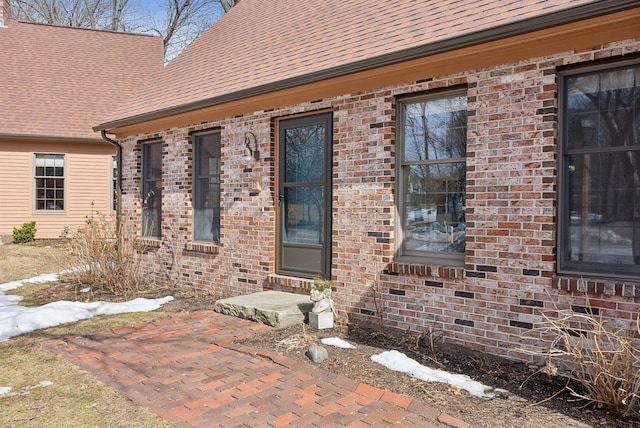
point(152, 189)
point(49, 182)
point(600, 171)
point(206, 187)
point(432, 177)
point(114, 183)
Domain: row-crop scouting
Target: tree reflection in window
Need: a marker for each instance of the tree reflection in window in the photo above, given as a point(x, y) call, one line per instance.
point(601, 163)
point(433, 170)
point(304, 181)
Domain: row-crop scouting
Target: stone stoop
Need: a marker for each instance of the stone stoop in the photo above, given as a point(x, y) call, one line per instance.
point(274, 308)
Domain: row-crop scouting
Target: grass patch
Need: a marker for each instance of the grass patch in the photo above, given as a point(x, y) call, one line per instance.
point(75, 398)
point(21, 261)
point(30, 293)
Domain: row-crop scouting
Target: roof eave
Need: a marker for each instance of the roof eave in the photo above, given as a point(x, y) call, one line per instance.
point(578, 13)
point(7, 136)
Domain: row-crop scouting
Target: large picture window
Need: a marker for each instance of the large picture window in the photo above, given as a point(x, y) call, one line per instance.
point(152, 189)
point(432, 176)
point(206, 187)
point(600, 167)
point(49, 182)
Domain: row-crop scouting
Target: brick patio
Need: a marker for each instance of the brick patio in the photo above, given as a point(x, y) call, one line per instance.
point(188, 370)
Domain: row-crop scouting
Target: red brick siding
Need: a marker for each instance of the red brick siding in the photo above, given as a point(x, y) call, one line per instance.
point(508, 275)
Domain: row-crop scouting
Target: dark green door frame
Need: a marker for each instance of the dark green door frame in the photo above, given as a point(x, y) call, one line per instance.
point(304, 196)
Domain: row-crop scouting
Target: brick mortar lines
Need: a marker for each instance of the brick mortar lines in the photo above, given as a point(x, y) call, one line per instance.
point(349, 384)
point(511, 205)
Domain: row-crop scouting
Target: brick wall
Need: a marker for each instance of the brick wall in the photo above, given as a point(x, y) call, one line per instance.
point(509, 273)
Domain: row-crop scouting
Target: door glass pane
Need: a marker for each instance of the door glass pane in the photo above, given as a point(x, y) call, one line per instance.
point(303, 212)
point(304, 154)
point(435, 207)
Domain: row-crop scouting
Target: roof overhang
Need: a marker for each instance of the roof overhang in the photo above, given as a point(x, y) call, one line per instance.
point(27, 137)
point(576, 28)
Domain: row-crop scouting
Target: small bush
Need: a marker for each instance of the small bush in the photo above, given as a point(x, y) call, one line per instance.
point(24, 233)
point(606, 361)
point(109, 260)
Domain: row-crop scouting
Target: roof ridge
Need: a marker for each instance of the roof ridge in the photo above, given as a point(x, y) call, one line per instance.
point(95, 30)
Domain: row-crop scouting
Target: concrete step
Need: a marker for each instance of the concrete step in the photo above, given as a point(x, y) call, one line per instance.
point(274, 308)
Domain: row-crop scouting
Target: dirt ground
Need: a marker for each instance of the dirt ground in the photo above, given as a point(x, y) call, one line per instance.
point(534, 399)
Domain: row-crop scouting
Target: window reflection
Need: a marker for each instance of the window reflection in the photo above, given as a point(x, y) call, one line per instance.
point(602, 169)
point(434, 175)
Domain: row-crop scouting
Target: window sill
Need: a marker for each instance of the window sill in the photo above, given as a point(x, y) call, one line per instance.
point(608, 287)
point(300, 284)
point(202, 247)
point(149, 242)
point(49, 212)
point(421, 269)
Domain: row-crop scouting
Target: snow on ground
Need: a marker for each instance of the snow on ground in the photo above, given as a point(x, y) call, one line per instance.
point(398, 361)
point(16, 320)
point(337, 342)
point(7, 391)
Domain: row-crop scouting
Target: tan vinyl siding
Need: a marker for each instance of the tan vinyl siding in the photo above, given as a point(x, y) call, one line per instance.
point(15, 187)
point(87, 180)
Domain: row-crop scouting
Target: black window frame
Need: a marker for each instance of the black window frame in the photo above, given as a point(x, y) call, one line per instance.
point(199, 192)
point(565, 168)
point(404, 254)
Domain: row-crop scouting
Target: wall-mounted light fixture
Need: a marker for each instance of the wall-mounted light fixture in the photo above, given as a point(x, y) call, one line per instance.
point(250, 154)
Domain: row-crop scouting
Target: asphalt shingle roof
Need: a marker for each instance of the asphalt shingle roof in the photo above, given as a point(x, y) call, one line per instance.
point(60, 81)
point(261, 42)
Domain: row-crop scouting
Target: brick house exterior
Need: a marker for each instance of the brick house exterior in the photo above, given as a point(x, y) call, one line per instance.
point(490, 297)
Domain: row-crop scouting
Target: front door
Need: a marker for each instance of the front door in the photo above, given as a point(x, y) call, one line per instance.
point(304, 196)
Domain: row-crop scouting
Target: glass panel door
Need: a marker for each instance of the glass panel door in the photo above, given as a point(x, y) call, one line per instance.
point(304, 197)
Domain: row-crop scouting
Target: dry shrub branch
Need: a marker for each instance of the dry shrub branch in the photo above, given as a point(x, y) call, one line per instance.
point(107, 259)
point(605, 361)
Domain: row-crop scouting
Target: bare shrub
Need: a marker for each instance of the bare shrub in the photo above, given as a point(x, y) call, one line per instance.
point(605, 361)
point(170, 259)
point(107, 259)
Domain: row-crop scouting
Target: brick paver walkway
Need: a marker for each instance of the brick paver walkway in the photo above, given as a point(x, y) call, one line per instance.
point(188, 370)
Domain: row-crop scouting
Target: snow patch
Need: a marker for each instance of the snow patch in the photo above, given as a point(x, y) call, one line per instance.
point(398, 361)
point(5, 391)
point(337, 342)
point(16, 320)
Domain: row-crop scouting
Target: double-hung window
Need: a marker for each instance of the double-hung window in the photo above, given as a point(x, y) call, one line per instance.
point(49, 182)
point(599, 215)
point(432, 177)
point(152, 189)
point(206, 187)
